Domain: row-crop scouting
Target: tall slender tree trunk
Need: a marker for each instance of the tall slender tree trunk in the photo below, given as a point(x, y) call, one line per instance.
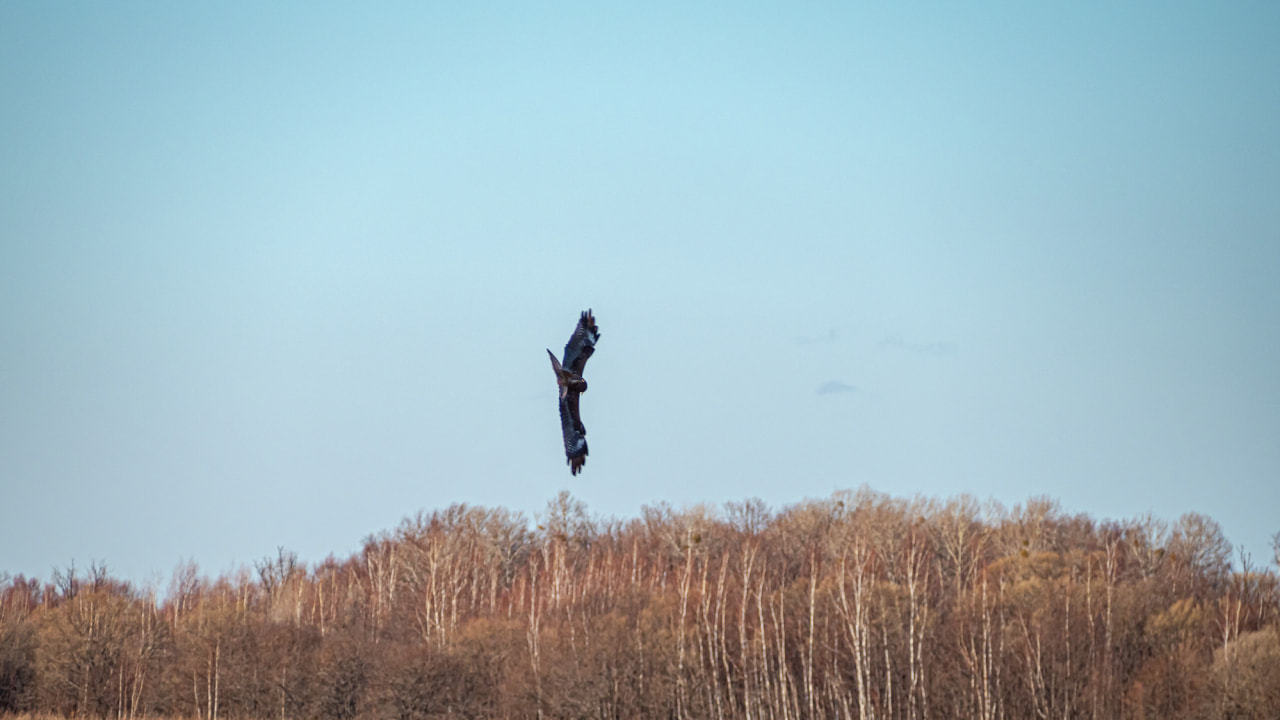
point(809, 692)
point(684, 607)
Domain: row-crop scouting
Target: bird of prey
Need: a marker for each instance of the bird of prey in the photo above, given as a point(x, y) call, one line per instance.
point(569, 380)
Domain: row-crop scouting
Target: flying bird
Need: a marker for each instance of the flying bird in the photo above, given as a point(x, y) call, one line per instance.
point(569, 380)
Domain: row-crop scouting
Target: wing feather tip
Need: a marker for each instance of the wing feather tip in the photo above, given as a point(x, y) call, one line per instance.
point(577, 456)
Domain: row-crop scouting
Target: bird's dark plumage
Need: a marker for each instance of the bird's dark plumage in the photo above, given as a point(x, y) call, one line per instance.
point(571, 385)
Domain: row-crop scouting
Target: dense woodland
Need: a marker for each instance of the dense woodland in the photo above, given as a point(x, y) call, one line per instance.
point(856, 606)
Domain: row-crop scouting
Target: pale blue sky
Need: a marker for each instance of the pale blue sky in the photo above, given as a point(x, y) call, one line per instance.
point(283, 275)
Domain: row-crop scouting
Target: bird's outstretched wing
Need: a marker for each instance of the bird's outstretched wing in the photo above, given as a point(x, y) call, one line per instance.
point(571, 385)
point(581, 344)
point(575, 433)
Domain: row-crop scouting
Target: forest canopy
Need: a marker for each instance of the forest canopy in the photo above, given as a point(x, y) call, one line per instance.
point(858, 605)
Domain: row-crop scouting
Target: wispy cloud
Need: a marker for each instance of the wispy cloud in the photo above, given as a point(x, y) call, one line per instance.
point(836, 387)
point(935, 349)
point(827, 339)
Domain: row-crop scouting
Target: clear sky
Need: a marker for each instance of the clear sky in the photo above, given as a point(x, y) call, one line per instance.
point(280, 274)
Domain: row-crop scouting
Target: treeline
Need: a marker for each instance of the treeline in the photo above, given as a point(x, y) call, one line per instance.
point(856, 606)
